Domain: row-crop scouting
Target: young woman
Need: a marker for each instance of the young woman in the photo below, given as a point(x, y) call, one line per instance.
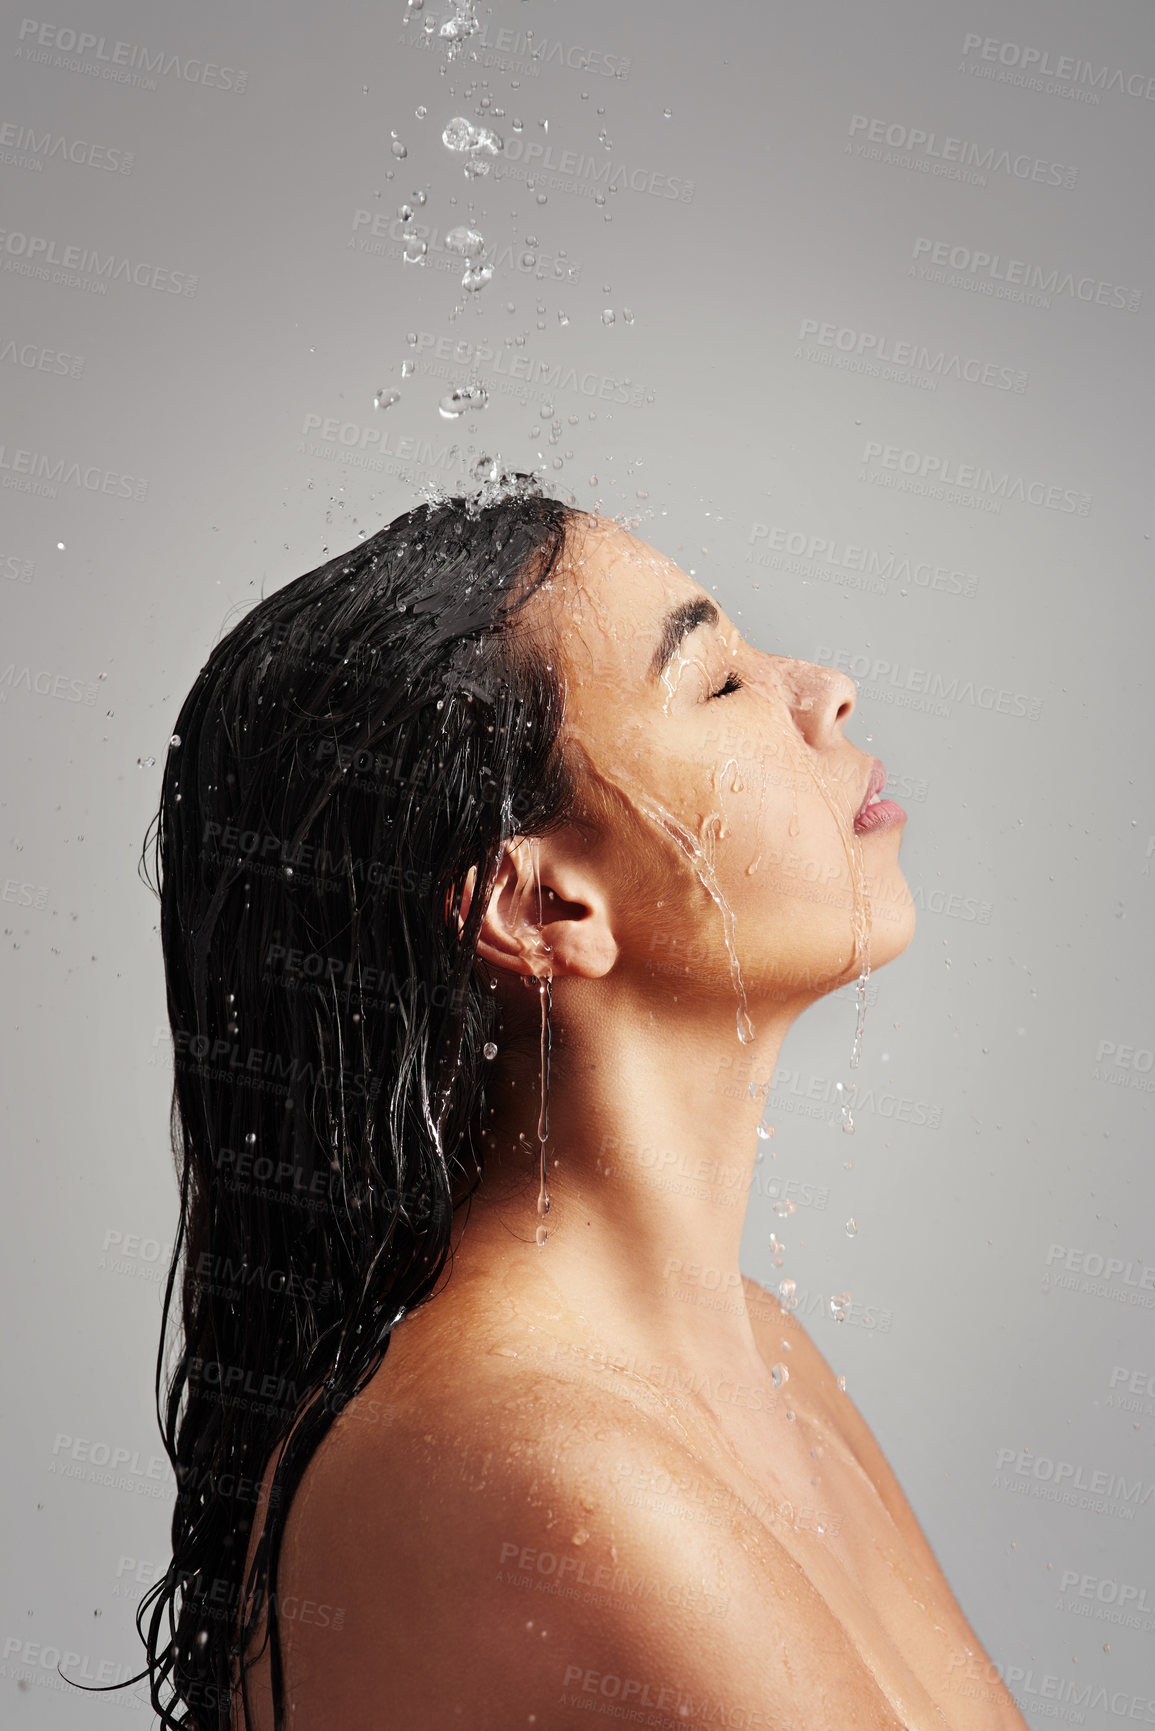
point(495, 866)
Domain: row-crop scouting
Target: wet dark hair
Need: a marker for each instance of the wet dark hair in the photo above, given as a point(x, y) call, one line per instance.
point(351, 748)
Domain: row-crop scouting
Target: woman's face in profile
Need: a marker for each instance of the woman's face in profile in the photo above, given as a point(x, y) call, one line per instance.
point(734, 760)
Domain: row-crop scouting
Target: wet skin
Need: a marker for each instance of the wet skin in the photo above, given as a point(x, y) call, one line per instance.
point(610, 1459)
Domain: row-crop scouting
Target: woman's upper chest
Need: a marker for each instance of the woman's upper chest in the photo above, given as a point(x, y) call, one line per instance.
point(802, 1478)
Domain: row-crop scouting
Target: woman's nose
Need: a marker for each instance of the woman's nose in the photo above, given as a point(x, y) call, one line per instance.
point(823, 701)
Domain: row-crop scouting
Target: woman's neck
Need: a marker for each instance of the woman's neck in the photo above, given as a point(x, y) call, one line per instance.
point(653, 1115)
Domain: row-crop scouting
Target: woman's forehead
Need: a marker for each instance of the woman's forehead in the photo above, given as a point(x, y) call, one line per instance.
point(613, 592)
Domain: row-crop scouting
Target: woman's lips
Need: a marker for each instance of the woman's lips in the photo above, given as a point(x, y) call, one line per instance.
point(883, 812)
point(880, 815)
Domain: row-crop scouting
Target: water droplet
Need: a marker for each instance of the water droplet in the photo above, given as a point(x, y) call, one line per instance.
point(489, 1050)
point(465, 240)
point(764, 1134)
point(476, 277)
point(462, 398)
point(175, 740)
point(384, 399)
point(540, 1235)
point(421, 111)
point(787, 1292)
point(851, 1227)
point(608, 316)
point(398, 149)
point(461, 135)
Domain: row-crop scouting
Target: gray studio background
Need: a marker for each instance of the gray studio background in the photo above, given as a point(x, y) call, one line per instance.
point(879, 371)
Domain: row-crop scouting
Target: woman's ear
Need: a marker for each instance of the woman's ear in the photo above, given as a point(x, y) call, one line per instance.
point(546, 914)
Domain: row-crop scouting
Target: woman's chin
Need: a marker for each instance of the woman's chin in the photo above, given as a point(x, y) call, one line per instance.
point(893, 919)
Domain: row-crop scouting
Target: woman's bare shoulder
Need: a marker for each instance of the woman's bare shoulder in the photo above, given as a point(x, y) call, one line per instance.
point(501, 1535)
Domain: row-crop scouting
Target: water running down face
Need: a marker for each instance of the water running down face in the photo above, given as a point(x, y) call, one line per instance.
point(734, 864)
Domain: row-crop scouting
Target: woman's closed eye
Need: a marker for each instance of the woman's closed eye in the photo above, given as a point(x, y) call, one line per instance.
point(733, 683)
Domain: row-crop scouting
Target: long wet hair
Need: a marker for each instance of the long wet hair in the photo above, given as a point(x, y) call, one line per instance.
point(351, 748)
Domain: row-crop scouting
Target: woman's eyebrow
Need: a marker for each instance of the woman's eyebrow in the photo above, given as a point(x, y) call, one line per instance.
point(678, 623)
